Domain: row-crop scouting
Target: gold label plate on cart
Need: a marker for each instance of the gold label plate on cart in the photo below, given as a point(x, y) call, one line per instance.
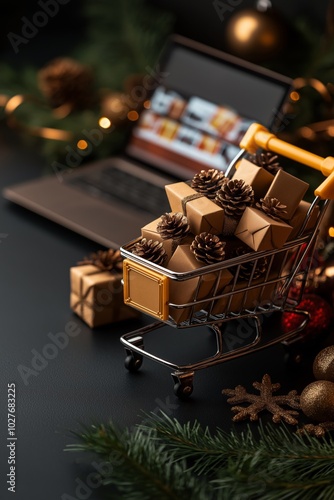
point(146, 290)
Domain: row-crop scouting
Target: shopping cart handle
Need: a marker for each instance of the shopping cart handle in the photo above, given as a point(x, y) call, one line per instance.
point(258, 136)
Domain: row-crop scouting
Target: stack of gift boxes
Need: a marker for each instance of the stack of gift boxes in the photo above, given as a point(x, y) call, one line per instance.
point(214, 218)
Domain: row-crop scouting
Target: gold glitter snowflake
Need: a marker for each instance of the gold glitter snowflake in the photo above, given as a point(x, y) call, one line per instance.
point(263, 401)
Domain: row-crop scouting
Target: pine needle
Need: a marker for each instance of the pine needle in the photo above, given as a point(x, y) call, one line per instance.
point(141, 468)
point(162, 457)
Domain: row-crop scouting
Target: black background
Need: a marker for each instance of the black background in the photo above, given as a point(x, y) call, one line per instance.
point(195, 19)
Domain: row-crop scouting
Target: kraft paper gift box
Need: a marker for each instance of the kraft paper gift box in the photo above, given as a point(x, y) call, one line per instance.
point(261, 232)
point(245, 298)
point(202, 213)
point(181, 292)
point(299, 217)
point(97, 296)
point(289, 190)
point(150, 233)
point(257, 177)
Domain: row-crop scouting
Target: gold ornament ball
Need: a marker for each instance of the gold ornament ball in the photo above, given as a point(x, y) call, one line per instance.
point(317, 401)
point(256, 35)
point(323, 365)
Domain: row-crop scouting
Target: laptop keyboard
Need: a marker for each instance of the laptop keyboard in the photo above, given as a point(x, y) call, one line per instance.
point(113, 183)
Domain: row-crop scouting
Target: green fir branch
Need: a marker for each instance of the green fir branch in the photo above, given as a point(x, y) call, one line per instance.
point(163, 457)
point(140, 468)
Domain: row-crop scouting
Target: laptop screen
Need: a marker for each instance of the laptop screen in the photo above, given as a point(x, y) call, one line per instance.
point(203, 104)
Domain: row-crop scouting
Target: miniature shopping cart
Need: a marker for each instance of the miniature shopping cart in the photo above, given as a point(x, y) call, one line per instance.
point(285, 267)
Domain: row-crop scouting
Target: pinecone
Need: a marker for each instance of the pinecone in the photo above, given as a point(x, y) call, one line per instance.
point(272, 207)
point(173, 226)
point(234, 196)
point(150, 250)
point(208, 248)
point(246, 268)
point(207, 182)
point(66, 81)
point(106, 260)
point(266, 160)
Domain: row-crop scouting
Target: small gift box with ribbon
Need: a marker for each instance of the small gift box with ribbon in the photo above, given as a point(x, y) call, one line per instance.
point(202, 213)
point(254, 175)
point(262, 228)
point(289, 190)
point(204, 250)
point(97, 290)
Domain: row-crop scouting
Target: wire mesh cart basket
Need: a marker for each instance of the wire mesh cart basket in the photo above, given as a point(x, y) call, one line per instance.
point(148, 286)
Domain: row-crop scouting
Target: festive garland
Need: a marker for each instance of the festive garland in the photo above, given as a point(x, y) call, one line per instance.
point(162, 458)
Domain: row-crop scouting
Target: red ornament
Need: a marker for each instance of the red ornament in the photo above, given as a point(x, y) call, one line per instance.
point(321, 316)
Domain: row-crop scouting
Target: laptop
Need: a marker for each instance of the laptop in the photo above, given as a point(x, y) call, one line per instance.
point(200, 106)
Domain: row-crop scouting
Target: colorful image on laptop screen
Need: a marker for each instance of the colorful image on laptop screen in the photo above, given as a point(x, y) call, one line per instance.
point(189, 130)
point(201, 108)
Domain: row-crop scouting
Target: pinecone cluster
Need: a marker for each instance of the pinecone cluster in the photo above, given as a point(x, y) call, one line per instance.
point(66, 81)
point(106, 260)
point(208, 182)
point(272, 207)
point(150, 250)
point(173, 226)
point(208, 248)
point(234, 196)
point(266, 160)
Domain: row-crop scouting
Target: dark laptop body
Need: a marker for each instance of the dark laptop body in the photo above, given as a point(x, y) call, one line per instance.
point(201, 105)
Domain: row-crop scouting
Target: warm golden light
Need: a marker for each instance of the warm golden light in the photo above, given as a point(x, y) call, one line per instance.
point(82, 144)
point(307, 133)
point(330, 272)
point(245, 27)
point(147, 104)
point(13, 103)
point(294, 96)
point(133, 116)
point(104, 122)
point(52, 133)
point(331, 232)
point(330, 131)
point(116, 105)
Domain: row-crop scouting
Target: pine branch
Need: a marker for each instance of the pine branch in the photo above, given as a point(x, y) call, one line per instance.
point(163, 457)
point(191, 441)
point(275, 462)
point(141, 467)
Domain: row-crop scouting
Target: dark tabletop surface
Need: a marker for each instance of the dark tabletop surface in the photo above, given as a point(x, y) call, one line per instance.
point(86, 380)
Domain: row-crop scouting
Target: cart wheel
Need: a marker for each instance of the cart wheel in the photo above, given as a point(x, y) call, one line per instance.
point(133, 362)
point(183, 391)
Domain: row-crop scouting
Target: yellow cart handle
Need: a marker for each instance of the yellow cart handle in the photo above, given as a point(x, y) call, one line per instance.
point(258, 136)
